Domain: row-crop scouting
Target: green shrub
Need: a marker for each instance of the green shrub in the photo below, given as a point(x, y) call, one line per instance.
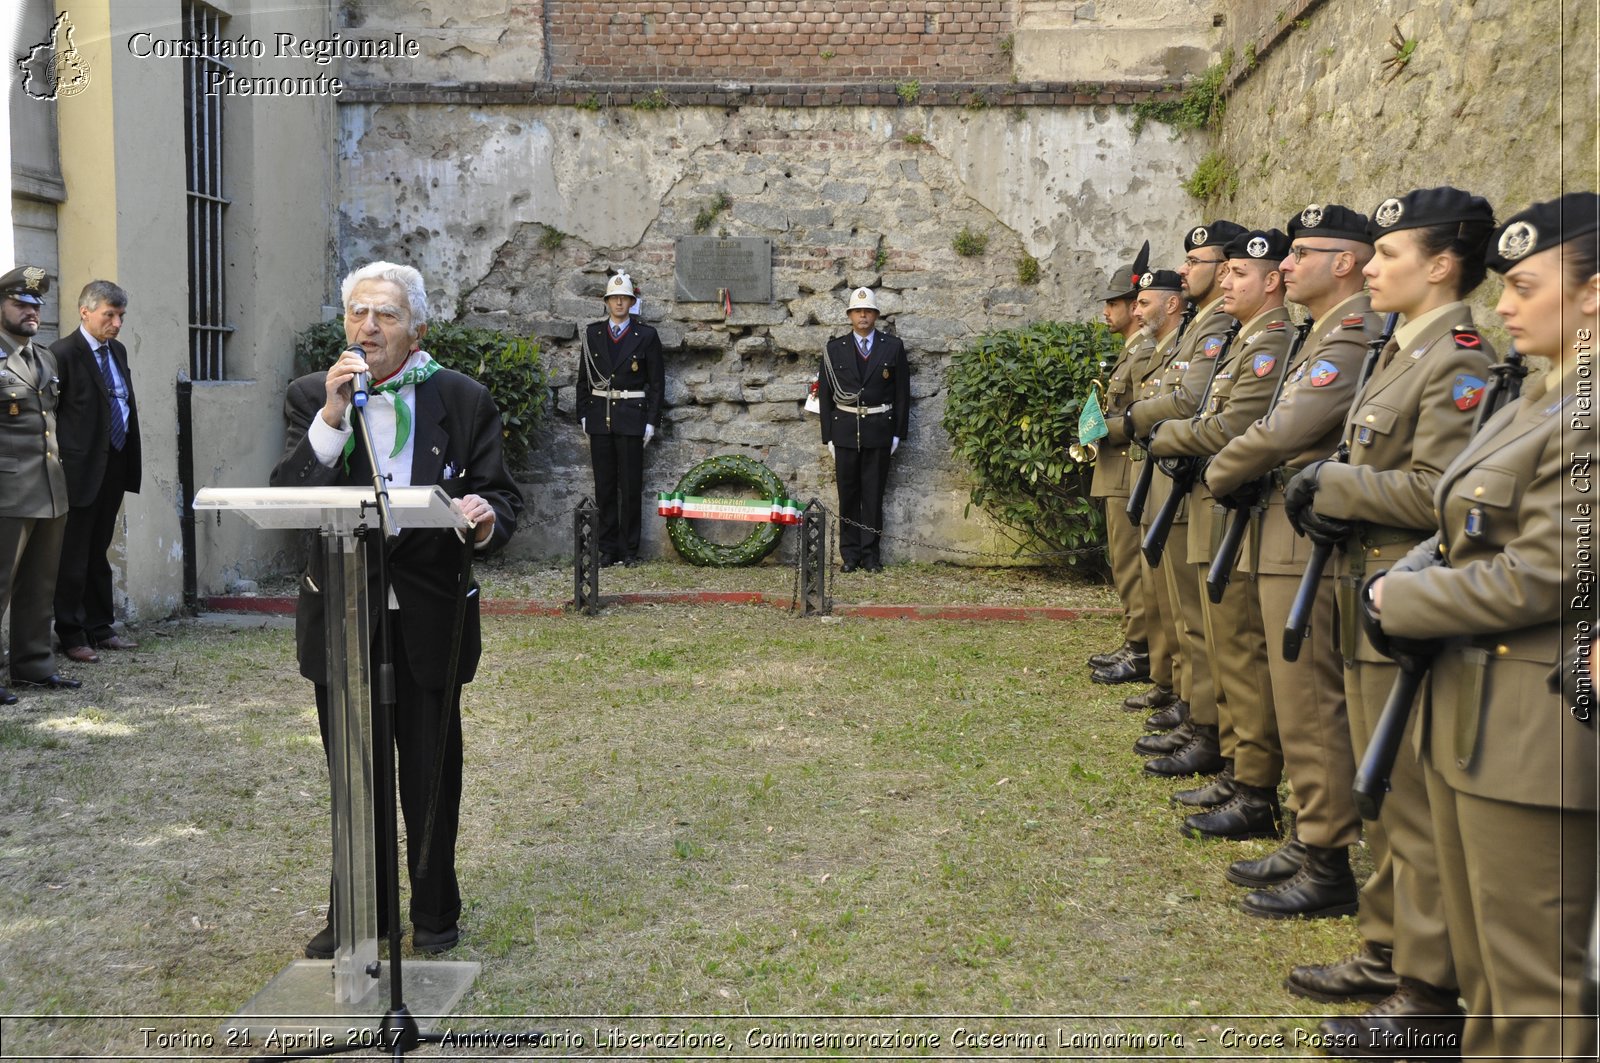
point(1027, 269)
point(509, 366)
point(1200, 107)
point(969, 244)
point(1011, 410)
point(1212, 177)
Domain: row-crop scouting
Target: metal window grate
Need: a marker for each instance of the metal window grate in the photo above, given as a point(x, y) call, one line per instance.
point(202, 124)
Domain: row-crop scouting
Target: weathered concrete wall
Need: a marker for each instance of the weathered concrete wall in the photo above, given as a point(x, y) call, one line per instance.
point(845, 197)
point(1113, 40)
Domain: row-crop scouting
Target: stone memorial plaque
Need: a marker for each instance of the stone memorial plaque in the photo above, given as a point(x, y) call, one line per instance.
point(704, 264)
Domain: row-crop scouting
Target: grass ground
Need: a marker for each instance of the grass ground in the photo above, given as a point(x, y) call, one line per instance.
point(670, 811)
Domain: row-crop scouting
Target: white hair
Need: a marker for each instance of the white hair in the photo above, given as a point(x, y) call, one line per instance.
point(409, 280)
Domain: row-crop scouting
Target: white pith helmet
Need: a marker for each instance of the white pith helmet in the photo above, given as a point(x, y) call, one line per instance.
point(621, 284)
point(862, 299)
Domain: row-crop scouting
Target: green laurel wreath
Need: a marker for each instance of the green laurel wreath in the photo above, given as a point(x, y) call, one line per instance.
point(742, 471)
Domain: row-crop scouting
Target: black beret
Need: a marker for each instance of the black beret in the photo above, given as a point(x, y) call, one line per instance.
point(1332, 221)
point(1214, 234)
point(1123, 283)
point(1423, 207)
point(26, 284)
point(1164, 280)
point(1543, 226)
point(1259, 245)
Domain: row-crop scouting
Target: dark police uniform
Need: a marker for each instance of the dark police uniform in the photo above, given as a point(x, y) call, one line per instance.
point(621, 382)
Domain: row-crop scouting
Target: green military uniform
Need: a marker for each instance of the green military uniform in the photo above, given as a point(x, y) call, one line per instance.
point(1511, 776)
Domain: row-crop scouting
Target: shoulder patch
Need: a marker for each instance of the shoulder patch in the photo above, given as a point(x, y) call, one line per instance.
point(1353, 321)
point(1264, 363)
point(1467, 391)
point(1468, 338)
point(1212, 346)
point(1277, 326)
point(1323, 373)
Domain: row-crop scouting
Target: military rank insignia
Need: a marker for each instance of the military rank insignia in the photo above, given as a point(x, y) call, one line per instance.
point(1212, 346)
point(1323, 373)
point(1277, 326)
point(1353, 321)
point(1264, 363)
point(1467, 391)
point(1467, 337)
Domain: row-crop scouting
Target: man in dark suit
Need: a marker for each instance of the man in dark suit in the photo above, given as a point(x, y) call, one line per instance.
point(429, 425)
point(864, 388)
point(33, 488)
point(621, 381)
point(98, 421)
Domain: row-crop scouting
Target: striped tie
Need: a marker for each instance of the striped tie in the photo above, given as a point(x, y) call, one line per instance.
point(866, 350)
point(119, 427)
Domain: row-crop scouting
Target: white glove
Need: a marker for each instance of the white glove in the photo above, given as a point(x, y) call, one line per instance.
point(831, 454)
point(583, 424)
point(894, 445)
point(649, 433)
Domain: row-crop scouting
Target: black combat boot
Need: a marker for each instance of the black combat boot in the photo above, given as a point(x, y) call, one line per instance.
point(1323, 888)
point(1201, 755)
point(1416, 1021)
point(1252, 812)
point(1128, 667)
point(1216, 792)
point(1364, 976)
point(1157, 697)
point(1159, 745)
point(1106, 660)
point(1168, 718)
point(1275, 867)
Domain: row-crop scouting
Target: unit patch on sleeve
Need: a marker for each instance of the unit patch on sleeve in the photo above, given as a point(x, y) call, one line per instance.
point(1323, 374)
point(1264, 363)
point(1467, 391)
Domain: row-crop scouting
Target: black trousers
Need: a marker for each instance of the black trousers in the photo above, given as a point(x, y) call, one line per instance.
point(618, 487)
point(436, 897)
point(863, 477)
point(83, 603)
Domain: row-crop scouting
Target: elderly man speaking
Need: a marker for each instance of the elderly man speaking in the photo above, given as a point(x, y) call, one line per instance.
point(429, 425)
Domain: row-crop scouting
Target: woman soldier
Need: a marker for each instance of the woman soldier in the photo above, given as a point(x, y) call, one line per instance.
point(1414, 415)
point(1511, 775)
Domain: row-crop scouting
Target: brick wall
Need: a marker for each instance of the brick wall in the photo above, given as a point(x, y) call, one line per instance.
point(791, 40)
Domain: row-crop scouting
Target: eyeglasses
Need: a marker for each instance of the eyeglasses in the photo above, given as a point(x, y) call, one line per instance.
point(1301, 252)
point(1190, 260)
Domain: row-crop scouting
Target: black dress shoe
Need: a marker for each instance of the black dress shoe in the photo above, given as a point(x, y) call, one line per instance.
point(872, 566)
point(1130, 668)
point(1168, 718)
point(1159, 745)
point(54, 681)
point(1219, 791)
point(1364, 976)
point(1101, 660)
point(321, 947)
point(1157, 697)
point(1252, 812)
point(1323, 888)
point(1425, 1019)
point(1202, 756)
point(848, 566)
point(1277, 866)
point(631, 561)
point(430, 941)
point(6, 697)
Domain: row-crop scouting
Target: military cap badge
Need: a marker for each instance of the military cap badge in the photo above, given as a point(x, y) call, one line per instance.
point(1198, 237)
point(1144, 281)
point(1388, 213)
point(33, 277)
point(1311, 217)
point(1518, 240)
point(1257, 247)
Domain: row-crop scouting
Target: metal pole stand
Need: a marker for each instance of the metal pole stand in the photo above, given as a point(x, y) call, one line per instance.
point(813, 560)
point(585, 558)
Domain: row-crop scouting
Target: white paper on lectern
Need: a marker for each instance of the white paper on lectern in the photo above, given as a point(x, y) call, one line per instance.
point(309, 507)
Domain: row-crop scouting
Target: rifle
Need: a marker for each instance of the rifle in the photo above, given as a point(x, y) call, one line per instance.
point(1141, 489)
point(1298, 626)
point(1183, 471)
point(1233, 537)
point(1375, 769)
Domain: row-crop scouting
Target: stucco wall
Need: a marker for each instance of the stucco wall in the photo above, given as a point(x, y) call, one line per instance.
point(846, 199)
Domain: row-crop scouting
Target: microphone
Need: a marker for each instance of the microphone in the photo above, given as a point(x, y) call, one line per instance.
point(361, 383)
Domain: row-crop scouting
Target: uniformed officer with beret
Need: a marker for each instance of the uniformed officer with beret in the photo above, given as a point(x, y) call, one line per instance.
point(1510, 771)
point(1329, 245)
point(864, 388)
point(1144, 649)
point(1242, 803)
point(1411, 419)
point(1210, 737)
point(620, 388)
point(33, 489)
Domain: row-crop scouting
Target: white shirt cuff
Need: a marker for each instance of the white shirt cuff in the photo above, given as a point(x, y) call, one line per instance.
point(326, 442)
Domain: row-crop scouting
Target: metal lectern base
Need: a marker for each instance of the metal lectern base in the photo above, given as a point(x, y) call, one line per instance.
point(296, 1010)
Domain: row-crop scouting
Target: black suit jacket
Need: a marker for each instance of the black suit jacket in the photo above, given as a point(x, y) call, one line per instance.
point(884, 379)
point(83, 418)
point(456, 424)
point(640, 345)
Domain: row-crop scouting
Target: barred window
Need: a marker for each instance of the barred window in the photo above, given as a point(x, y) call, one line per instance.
point(202, 124)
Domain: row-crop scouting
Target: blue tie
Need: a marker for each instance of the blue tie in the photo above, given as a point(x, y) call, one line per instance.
point(866, 351)
point(119, 427)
